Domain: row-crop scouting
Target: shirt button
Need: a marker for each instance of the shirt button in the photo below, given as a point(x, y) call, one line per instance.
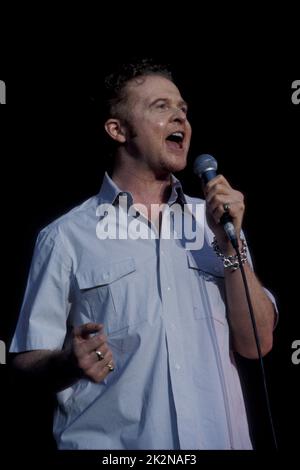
point(168, 288)
point(105, 276)
point(177, 366)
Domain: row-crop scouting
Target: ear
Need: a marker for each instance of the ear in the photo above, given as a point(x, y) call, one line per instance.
point(115, 130)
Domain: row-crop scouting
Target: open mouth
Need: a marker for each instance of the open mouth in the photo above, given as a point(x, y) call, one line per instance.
point(175, 140)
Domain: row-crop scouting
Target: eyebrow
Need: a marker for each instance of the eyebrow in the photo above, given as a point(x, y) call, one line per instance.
point(180, 103)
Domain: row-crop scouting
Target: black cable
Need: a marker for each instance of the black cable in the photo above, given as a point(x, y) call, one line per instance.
point(262, 368)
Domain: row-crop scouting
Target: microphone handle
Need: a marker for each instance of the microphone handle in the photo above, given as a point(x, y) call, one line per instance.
point(208, 175)
point(226, 221)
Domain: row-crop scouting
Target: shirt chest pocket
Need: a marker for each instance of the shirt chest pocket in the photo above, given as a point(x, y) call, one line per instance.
point(208, 291)
point(108, 291)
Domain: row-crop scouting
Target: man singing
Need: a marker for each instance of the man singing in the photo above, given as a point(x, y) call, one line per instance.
point(136, 333)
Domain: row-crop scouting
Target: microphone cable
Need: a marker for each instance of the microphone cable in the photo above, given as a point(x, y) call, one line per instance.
point(258, 347)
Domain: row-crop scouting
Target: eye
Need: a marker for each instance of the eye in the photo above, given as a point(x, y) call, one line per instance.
point(184, 109)
point(162, 105)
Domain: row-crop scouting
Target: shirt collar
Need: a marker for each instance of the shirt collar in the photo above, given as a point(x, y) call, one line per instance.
point(177, 193)
point(109, 191)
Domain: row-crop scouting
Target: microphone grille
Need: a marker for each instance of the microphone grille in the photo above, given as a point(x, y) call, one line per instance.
point(204, 163)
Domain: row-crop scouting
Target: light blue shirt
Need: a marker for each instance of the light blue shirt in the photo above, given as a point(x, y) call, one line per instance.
point(175, 383)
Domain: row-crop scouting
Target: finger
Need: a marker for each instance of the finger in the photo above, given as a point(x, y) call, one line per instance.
point(235, 210)
point(86, 361)
point(216, 190)
point(108, 356)
point(109, 365)
point(96, 374)
point(83, 331)
point(100, 370)
point(103, 350)
point(96, 342)
point(108, 359)
point(218, 180)
point(217, 213)
point(216, 200)
point(86, 347)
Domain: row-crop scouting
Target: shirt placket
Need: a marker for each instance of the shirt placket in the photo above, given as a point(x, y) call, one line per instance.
point(178, 369)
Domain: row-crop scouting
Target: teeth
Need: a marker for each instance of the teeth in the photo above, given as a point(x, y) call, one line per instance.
point(178, 134)
point(176, 137)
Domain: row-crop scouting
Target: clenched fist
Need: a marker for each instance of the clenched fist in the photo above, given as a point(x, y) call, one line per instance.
point(220, 196)
point(91, 354)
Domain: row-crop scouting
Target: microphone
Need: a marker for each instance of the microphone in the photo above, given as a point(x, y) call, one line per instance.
point(205, 167)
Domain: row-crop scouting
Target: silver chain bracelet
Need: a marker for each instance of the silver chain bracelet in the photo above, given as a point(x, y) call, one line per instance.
point(232, 261)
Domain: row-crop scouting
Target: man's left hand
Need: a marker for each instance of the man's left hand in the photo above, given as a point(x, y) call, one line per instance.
point(220, 194)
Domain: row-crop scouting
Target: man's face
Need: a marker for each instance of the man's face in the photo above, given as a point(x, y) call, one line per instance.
point(157, 130)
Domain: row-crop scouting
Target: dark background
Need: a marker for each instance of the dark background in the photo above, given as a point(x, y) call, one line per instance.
point(54, 157)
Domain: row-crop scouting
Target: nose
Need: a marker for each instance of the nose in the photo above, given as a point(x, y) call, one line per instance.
point(179, 115)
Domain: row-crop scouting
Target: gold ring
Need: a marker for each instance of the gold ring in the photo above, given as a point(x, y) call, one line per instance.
point(110, 367)
point(99, 355)
point(226, 207)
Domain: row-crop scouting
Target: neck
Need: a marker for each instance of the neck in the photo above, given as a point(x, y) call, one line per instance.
point(146, 187)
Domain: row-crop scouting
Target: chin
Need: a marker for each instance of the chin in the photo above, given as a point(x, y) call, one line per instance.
point(176, 164)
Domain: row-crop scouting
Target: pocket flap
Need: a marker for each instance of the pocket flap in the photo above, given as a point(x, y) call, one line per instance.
point(105, 274)
point(206, 262)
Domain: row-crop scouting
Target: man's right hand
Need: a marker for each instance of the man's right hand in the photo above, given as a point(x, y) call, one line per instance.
point(91, 354)
point(60, 369)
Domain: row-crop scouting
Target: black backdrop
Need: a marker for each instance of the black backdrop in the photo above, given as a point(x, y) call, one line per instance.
point(54, 159)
